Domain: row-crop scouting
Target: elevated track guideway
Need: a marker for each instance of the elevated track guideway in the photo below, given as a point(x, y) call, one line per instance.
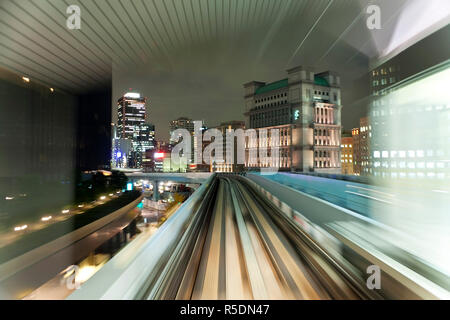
point(240, 246)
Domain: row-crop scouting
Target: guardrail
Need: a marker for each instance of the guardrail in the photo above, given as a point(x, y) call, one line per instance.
point(125, 275)
point(37, 254)
point(323, 220)
point(337, 176)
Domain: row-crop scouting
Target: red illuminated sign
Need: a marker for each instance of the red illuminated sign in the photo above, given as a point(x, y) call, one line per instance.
point(159, 155)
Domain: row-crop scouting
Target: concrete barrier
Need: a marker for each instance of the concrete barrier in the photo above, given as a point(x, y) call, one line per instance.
point(26, 260)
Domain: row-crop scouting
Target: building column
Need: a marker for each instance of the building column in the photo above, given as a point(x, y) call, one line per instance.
point(156, 195)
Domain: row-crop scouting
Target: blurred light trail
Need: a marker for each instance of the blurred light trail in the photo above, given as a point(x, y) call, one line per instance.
point(368, 197)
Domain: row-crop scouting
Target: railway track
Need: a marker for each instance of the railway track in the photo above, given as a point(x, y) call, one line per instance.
point(239, 246)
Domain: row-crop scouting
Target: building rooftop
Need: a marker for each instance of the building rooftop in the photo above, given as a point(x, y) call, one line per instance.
point(320, 81)
point(272, 86)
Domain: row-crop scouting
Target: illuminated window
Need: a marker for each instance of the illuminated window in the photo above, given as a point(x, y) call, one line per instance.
point(376, 154)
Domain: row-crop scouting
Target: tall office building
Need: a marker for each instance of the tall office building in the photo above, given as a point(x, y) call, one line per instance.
point(131, 112)
point(306, 108)
point(181, 123)
point(188, 124)
point(132, 126)
point(347, 153)
point(356, 153)
point(145, 138)
point(362, 157)
point(408, 108)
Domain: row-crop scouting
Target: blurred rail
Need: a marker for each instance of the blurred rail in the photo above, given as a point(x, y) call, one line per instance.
point(230, 240)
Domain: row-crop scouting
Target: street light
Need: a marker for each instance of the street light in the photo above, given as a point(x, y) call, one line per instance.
point(20, 228)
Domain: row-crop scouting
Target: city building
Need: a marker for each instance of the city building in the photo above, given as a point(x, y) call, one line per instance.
point(144, 140)
point(364, 144)
point(230, 163)
point(306, 108)
point(408, 120)
point(362, 157)
point(347, 153)
point(356, 153)
point(189, 125)
point(121, 152)
point(180, 123)
point(284, 143)
point(154, 159)
point(131, 110)
point(132, 126)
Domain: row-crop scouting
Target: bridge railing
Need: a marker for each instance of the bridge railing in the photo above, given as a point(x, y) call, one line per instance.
point(341, 231)
point(125, 275)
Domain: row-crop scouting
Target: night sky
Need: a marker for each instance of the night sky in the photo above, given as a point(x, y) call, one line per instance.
point(206, 81)
point(201, 69)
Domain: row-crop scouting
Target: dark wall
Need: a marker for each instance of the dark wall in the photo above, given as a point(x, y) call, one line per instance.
point(94, 130)
point(45, 136)
point(423, 55)
point(37, 132)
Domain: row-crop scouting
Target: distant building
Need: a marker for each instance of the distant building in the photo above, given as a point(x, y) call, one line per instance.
point(365, 138)
point(189, 125)
point(131, 112)
point(133, 127)
point(121, 151)
point(180, 123)
point(306, 107)
point(284, 143)
point(229, 165)
point(347, 154)
point(356, 152)
point(362, 157)
point(144, 140)
point(159, 159)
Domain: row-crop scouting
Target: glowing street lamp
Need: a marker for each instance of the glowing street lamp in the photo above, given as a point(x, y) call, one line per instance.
point(20, 228)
